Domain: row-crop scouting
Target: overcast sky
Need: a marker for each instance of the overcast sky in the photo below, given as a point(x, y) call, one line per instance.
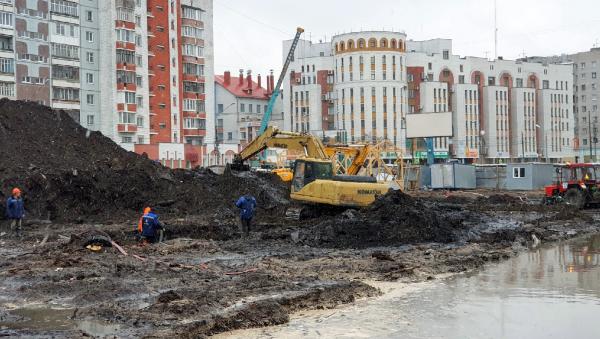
point(248, 33)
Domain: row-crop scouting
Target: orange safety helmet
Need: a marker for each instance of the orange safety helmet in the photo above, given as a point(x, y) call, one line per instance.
point(16, 191)
point(147, 210)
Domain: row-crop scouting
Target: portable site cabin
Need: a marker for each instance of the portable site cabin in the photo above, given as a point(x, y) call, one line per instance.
point(529, 176)
point(453, 176)
point(491, 176)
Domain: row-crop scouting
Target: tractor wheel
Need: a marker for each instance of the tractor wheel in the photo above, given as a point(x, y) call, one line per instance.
point(574, 197)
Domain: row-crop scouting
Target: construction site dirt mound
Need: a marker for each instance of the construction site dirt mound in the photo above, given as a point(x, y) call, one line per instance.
point(70, 173)
point(393, 219)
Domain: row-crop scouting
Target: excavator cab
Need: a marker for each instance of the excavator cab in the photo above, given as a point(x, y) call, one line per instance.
point(309, 170)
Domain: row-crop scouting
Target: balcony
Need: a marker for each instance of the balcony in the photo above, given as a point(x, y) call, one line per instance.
point(31, 12)
point(66, 8)
point(7, 89)
point(124, 14)
point(126, 128)
point(32, 35)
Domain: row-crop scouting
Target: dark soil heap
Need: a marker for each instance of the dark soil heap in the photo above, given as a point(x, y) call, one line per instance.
point(69, 173)
point(395, 218)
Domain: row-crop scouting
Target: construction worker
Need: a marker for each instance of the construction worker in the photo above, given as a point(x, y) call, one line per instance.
point(247, 205)
point(15, 210)
point(149, 227)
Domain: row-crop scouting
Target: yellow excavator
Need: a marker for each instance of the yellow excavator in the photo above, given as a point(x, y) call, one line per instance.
point(313, 177)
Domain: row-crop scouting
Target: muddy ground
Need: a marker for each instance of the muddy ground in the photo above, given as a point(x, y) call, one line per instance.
point(205, 279)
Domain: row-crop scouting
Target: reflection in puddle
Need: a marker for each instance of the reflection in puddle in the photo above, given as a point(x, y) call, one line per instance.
point(42, 319)
point(549, 292)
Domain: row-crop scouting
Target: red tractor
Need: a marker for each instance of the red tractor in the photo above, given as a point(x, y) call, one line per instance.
point(576, 184)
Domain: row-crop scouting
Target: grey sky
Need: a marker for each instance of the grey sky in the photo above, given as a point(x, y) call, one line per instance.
point(248, 33)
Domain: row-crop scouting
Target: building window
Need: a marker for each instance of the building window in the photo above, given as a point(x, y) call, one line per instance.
point(125, 35)
point(130, 97)
point(64, 7)
point(89, 77)
point(518, 172)
point(192, 32)
point(89, 36)
point(89, 56)
point(192, 50)
point(491, 81)
point(461, 79)
point(89, 16)
point(65, 94)
point(193, 87)
point(66, 30)
point(545, 84)
point(194, 123)
point(90, 99)
point(191, 13)
point(6, 19)
point(446, 54)
point(65, 51)
point(242, 108)
point(90, 120)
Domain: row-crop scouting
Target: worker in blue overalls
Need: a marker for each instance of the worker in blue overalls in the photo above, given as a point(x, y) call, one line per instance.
point(150, 227)
point(247, 206)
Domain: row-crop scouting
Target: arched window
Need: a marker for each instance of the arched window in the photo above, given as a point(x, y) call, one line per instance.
point(337, 47)
point(372, 43)
point(361, 43)
point(401, 45)
point(350, 44)
point(393, 44)
point(342, 46)
point(383, 43)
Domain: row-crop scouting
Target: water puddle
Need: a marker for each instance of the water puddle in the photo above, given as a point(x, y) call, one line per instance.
point(40, 321)
point(549, 292)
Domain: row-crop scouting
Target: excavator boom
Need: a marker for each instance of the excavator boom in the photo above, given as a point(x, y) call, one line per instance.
point(272, 137)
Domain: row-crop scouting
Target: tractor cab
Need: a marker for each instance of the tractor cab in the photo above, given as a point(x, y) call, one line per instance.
point(576, 184)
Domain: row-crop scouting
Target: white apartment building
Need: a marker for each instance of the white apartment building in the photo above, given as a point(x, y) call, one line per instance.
point(585, 100)
point(241, 105)
point(502, 110)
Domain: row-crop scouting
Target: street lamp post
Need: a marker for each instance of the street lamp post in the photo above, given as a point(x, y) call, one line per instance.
point(545, 141)
point(481, 145)
point(217, 127)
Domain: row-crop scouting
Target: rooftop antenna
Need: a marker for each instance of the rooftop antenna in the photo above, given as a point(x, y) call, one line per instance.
point(495, 29)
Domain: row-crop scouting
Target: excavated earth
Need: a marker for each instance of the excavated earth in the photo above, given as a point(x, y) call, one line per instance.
point(205, 278)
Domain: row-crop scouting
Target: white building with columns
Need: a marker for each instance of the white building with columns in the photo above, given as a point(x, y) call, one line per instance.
point(360, 86)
